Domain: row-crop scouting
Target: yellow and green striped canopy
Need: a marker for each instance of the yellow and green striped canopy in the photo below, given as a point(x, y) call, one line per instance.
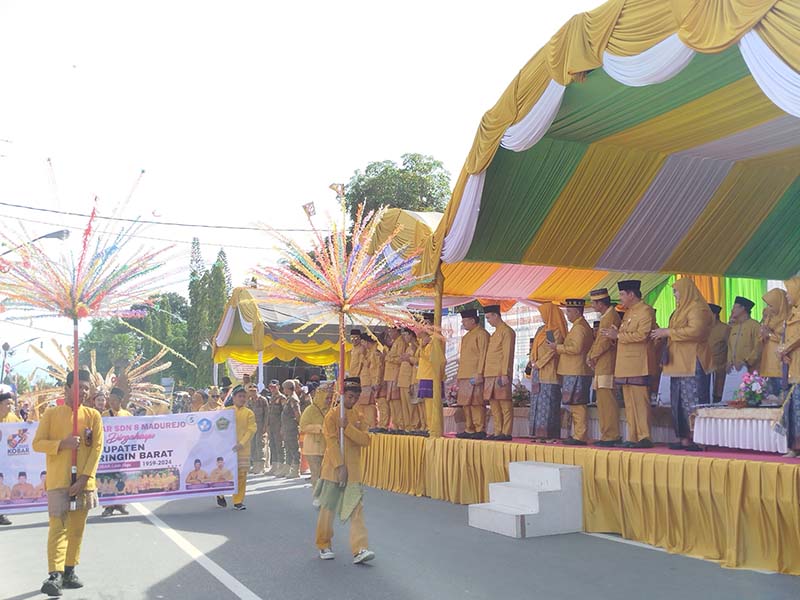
point(648, 137)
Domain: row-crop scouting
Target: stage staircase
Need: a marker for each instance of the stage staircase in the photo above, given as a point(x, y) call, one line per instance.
point(540, 499)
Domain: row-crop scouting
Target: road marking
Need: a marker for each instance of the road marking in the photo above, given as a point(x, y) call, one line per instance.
point(622, 540)
point(291, 487)
point(220, 574)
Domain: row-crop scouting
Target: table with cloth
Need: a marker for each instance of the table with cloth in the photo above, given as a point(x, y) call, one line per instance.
point(743, 428)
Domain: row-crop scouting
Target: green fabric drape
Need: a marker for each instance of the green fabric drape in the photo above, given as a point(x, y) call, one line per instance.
point(662, 299)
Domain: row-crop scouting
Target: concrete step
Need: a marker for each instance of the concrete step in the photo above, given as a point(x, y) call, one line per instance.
point(512, 494)
point(541, 499)
point(539, 476)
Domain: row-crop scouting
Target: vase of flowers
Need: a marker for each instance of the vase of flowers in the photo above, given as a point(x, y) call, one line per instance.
point(751, 391)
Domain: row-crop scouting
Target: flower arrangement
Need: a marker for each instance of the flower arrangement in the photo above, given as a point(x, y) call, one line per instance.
point(751, 391)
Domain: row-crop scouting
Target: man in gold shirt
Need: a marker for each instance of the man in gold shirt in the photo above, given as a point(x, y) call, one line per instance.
point(357, 353)
point(576, 376)
point(498, 372)
point(744, 343)
point(220, 473)
point(397, 347)
point(405, 377)
point(472, 362)
point(197, 475)
point(55, 439)
point(635, 361)
point(339, 487)
point(245, 429)
point(718, 340)
point(602, 359)
point(371, 379)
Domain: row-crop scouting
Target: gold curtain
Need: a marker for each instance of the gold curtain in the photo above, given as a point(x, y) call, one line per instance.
point(741, 513)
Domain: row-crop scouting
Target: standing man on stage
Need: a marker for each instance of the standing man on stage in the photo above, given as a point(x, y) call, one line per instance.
point(357, 353)
point(744, 343)
point(576, 376)
point(471, 365)
point(397, 347)
point(406, 376)
point(635, 361)
point(54, 438)
point(498, 373)
point(718, 341)
point(339, 488)
point(602, 359)
point(371, 379)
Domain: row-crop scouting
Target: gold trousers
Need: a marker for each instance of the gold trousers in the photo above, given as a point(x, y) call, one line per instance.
point(358, 529)
point(637, 411)
point(315, 465)
point(370, 414)
point(405, 406)
point(502, 416)
point(418, 418)
point(64, 540)
point(608, 412)
point(580, 421)
point(241, 487)
point(383, 412)
point(474, 418)
point(396, 411)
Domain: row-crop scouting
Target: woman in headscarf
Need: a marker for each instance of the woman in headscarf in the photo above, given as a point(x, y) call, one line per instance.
point(773, 329)
point(790, 353)
point(688, 359)
point(545, 415)
point(311, 422)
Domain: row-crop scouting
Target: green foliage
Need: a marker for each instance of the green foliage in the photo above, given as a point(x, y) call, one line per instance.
point(420, 183)
point(111, 341)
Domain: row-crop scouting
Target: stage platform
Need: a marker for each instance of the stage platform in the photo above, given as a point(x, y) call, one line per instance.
point(739, 508)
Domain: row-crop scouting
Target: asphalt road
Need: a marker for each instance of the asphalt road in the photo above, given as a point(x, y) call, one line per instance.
point(425, 550)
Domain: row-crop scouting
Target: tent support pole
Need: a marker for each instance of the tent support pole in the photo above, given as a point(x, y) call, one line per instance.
point(436, 413)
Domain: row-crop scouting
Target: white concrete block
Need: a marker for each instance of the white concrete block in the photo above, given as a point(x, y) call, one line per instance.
point(512, 494)
point(497, 519)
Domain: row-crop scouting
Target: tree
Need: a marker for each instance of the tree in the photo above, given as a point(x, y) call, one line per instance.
point(222, 258)
point(111, 341)
point(196, 265)
point(420, 183)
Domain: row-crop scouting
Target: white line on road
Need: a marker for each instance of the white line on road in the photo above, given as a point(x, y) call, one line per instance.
point(225, 578)
point(291, 487)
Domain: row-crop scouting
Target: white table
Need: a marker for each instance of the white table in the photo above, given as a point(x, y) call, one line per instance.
point(743, 428)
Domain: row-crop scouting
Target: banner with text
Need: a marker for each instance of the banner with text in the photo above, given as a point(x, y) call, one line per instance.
point(164, 457)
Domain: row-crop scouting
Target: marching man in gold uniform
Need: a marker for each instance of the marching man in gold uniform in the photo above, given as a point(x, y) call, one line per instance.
point(498, 372)
point(718, 341)
point(471, 365)
point(635, 361)
point(576, 376)
point(54, 438)
point(245, 430)
point(339, 488)
point(602, 358)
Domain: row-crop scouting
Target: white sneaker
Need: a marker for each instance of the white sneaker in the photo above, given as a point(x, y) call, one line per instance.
point(327, 554)
point(364, 555)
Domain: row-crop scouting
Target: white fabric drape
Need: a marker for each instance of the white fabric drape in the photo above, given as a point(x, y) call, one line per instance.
point(527, 132)
point(746, 434)
point(247, 327)
point(655, 65)
point(215, 373)
point(459, 238)
point(779, 82)
point(226, 328)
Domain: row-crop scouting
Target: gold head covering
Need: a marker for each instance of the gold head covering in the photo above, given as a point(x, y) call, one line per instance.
point(793, 293)
point(689, 298)
point(554, 320)
point(777, 300)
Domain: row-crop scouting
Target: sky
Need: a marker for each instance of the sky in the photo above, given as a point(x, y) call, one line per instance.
point(239, 112)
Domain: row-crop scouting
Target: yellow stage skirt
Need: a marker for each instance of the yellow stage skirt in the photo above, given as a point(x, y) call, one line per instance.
point(741, 513)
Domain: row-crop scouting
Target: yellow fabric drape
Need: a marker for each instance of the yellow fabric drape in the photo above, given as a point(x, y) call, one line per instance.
point(740, 513)
point(623, 28)
point(602, 173)
point(412, 229)
point(568, 283)
point(248, 306)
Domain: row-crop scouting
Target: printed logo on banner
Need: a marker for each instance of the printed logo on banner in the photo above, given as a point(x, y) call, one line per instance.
point(223, 424)
point(204, 425)
point(190, 420)
point(18, 443)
